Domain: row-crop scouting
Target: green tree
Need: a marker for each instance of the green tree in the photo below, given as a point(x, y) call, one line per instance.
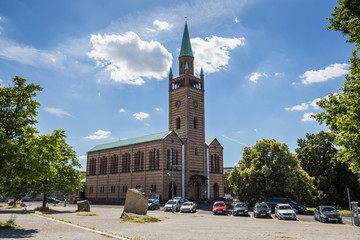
point(56, 166)
point(319, 158)
point(235, 181)
point(342, 110)
point(228, 188)
point(17, 119)
point(30, 163)
point(269, 169)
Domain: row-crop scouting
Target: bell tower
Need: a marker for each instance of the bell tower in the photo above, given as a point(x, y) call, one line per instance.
point(186, 108)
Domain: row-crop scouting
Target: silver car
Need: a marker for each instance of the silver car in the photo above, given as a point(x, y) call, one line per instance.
point(188, 207)
point(172, 205)
point(284, 211)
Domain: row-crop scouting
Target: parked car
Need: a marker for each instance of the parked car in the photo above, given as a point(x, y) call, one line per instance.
point(153, 204)
point(172, 205)
point(188, 207)
point(219, 207)
point(284, 211)
point(327, 214)
point(262, 210)
point(52, 200)
point(272, 202)
point(240, 208)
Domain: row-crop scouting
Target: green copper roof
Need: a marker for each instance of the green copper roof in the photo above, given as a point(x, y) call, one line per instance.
point(170, 73)
point(186, 66)
point(201, 72)
point(185, 45)
point(121, 143)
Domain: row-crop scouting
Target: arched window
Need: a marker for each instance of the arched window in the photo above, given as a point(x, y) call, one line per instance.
point(92, 167)
point(195, 122)
point(216, 191)
point(178, 123)
point(196, 151)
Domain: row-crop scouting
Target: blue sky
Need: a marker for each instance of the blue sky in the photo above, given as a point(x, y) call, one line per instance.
point(104, 64)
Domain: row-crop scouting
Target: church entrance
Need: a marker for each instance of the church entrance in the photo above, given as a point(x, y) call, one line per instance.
point(197, 190)
point(216, 191)
point(172, 190)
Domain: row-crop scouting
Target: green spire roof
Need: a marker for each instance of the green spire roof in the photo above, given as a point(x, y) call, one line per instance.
point(201, 72)
point(170, 73)
point(185, 45)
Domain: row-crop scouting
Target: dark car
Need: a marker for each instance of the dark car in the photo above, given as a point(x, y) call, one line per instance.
point(240, 208)
point(272, 202)
point(153, 204)
point(262, 210)
point(52, 200)
point(327, 214)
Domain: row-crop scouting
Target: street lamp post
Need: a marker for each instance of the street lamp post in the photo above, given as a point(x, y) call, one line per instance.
point(172, 184)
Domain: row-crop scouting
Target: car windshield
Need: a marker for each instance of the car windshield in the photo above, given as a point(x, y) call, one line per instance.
point(240, 205)
point(284, 207)
point(261, 206)
point(171, 202)
point(187, 204)
point(150, 201)
point(328, 209)
point(219, 204)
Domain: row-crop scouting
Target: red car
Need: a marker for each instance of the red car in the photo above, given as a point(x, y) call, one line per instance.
point(219, 207)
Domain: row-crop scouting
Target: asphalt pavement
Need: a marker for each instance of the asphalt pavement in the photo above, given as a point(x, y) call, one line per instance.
point(200, 226)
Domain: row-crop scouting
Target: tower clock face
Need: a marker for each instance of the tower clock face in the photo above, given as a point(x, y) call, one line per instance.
point(195, 103)
point(177, 104)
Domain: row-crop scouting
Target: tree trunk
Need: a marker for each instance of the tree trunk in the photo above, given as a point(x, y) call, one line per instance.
point(44, 201)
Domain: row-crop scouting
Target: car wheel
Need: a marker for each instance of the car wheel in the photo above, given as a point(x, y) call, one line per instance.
point(315, 218)
point(322, 220)
point(340, 221)
point(214, 213)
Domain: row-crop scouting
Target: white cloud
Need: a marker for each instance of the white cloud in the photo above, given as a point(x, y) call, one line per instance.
point(99, 94)
point(129, 59)
point(163, 25)
point(99, 134)
point(147, 124)
point(314, 105)
point(307, 117)
point(236, 20)
point(255, 76)
point(235, 141)
point(122, 110)
point(82, 157)
point(158, 109)
point(322, 75)
point(57, 111)
point(141, 115)
point(301, 107)
point(213, 53)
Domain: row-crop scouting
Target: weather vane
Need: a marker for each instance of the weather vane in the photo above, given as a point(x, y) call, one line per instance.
point(185, 19)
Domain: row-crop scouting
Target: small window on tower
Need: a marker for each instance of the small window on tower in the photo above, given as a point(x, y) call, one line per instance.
point(178, 123)
point(195, 122)
point(196, 151)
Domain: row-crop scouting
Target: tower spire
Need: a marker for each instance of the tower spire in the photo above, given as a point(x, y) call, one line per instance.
point(185, 44)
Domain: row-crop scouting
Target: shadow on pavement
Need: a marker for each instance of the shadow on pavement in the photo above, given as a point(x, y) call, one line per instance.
point(17, 233)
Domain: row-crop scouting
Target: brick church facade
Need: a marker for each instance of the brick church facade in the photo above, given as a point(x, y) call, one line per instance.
point(178, 162)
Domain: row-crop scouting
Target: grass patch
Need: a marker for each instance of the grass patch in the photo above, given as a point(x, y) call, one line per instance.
point(10, 223)
point(87, 214)
point(13, 207)
point(141, 220)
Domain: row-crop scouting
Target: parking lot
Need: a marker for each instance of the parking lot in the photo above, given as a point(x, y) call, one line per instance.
point(199, 225)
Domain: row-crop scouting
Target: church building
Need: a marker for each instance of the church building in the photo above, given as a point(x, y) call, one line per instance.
point(178, 162)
